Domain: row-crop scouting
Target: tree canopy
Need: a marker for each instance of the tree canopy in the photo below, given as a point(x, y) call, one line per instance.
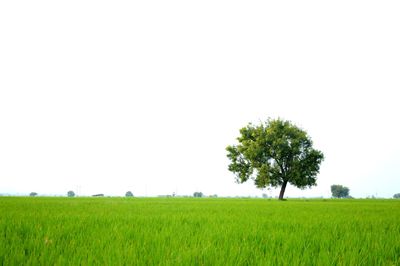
point(71, 194)
point(275, 153)
point(339, 191)
point(128, 194)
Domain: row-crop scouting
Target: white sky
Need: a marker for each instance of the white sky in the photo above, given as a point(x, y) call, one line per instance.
point(110, 96)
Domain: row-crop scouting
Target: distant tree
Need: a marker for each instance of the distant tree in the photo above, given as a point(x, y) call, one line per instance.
point(129, 194)
point(274, 154)
point(33, 194)
point(396, 196)
point(198, 194)
point(71, 194)
point(98, 195)
point(339, 191)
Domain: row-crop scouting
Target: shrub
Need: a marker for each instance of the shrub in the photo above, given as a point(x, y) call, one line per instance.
point(198, 194)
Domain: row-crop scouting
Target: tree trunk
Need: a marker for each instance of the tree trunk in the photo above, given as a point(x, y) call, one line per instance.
point(282, 190)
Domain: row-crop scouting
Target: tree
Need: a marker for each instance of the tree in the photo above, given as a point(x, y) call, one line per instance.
point(129, 194)
point(339, 191)
point(33, 194)
point(71, 194)
point(274, 154)
point(396, 196)
point(198, 194)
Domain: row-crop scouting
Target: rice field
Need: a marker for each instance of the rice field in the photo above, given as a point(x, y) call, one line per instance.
point(204, 231)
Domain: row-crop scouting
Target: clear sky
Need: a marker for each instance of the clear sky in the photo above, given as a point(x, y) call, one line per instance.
point(110, 96)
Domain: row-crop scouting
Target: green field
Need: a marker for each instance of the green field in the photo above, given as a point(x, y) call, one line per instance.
point(189, 231)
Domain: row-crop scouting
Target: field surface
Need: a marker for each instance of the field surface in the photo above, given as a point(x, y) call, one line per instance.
point(188, 231)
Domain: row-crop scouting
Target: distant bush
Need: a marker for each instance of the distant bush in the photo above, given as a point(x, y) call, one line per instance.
point(98, 195)
point(396, 196)
point(129, 194)
point(71, 194)
point(339, 191)
point(198, 194)
point(33, 194)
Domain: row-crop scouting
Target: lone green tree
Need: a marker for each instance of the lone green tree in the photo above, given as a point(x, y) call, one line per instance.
point(71, 194)
point(275, 153)
point(396, 196)
point(339, 191)
point(128, 194)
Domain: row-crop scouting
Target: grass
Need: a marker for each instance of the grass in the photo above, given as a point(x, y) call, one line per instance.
point(188, 231)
